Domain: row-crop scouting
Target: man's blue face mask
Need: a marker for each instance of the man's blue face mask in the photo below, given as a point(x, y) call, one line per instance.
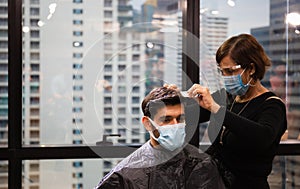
point(171, 137)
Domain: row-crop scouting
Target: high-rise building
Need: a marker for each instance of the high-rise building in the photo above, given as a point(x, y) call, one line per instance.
point(167, 19)
point(3, 88)
point(83, 78)
point(213, 32)
point(3, 74)
point(31, 89)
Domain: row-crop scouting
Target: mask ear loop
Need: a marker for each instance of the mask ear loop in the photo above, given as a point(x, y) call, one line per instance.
point(251, 78)
point(249, 82)
point(155, 126)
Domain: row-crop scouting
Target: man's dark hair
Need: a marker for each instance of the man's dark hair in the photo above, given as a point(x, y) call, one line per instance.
point(158, 98)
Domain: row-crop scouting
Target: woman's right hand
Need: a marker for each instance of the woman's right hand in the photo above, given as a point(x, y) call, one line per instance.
point(203, 97)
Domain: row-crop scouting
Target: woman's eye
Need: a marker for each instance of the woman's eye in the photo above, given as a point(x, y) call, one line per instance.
point(230, 71)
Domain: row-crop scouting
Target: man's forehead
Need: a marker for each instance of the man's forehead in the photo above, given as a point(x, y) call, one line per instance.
point(170, 110)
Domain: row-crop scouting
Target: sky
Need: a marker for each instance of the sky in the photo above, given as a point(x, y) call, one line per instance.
point(245, 15)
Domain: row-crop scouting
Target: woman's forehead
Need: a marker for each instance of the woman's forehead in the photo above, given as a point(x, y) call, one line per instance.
point(227, 62)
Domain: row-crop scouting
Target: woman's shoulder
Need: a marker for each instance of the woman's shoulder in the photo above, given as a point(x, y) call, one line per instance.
point(265, 96)
point(270, 96)
point(271, 99)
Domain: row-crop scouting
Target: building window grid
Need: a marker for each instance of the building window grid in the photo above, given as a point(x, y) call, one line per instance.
point(77, 33)
point(77, 55)
point(135, 141)
point(77, 66)
point(77, 175)
point(3, 22)
point(78, 141)
point(77, 120)
point(34, 2)
point(77, 98)
point(34, 11)
point(77, 88)
point(77, 22)
point(135, 120)
point(135, 132)
point(107, 3)
point(78, 1)
point(77, 11)
point(78, 186)
point(108, 14)
point(3, 33)
point(108, 68)
point(77, 76)
point(77, 109)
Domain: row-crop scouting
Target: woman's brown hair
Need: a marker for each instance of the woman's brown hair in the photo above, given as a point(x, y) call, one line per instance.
point(244, 49)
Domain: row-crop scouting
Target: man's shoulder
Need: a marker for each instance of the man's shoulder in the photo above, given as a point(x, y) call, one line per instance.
point(193, 152)
point(125, 178)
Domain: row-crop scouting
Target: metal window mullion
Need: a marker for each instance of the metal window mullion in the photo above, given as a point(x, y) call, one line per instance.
point(191, 49)
point(14, 92)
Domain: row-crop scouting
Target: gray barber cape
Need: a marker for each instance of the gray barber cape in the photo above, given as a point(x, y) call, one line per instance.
point(149, 167)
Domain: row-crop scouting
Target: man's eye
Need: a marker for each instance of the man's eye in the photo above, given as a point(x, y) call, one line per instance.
point(167, 120)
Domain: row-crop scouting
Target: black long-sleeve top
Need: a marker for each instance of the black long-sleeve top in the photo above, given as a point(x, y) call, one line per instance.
point(251, 137)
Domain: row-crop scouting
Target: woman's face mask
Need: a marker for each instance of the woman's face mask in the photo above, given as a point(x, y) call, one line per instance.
point(234, 84)
point(171, 137)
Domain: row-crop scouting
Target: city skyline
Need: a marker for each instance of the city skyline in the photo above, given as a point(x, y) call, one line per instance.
point(253, 15)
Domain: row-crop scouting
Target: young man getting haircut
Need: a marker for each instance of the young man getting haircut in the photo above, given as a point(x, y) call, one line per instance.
point(166, 160)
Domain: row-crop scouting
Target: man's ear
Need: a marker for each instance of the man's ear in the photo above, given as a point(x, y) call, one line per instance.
point(147, 124)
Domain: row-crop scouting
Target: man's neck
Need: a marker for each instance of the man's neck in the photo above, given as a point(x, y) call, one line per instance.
point(153, 143)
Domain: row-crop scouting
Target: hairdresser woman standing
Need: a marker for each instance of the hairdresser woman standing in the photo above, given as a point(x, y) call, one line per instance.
point(253, 122)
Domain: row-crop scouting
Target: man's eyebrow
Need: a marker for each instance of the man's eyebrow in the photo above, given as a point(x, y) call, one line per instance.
point(163, 117)
point(169, 116)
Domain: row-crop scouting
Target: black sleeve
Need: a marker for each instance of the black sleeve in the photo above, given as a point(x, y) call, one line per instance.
point(260, 133)
point(216, 120)
point(215, 124)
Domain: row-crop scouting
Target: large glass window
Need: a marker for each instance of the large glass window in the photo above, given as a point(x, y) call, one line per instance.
point(82, 95)
point(143, 39)
point(52, 173)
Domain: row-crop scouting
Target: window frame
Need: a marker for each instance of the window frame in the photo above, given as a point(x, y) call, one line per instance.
point(15, 153)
